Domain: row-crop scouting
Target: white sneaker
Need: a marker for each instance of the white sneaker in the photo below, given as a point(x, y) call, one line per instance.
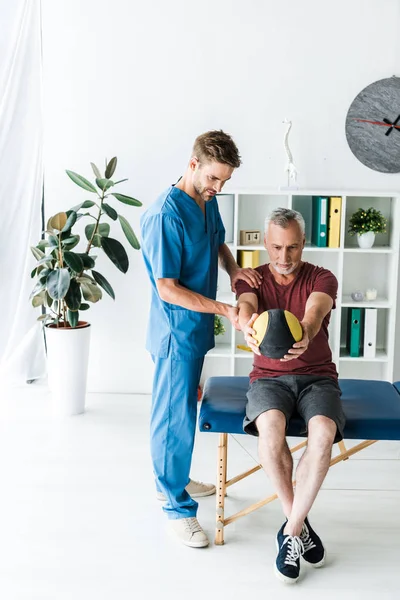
point(195, 489)
point(189, 532)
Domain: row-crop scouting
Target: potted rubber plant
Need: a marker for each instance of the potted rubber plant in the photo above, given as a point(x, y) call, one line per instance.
point(68, 282)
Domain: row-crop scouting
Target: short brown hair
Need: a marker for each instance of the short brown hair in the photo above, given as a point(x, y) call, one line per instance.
point(217, 146)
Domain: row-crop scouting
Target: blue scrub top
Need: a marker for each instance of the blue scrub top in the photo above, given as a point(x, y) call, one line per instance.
point(178, 242)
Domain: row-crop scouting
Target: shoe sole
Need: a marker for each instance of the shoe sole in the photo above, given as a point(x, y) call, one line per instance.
point(160, 495)
point(280, 576)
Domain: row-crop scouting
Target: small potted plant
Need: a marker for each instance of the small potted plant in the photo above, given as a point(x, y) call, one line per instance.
point(67, 281)
point(365, 223)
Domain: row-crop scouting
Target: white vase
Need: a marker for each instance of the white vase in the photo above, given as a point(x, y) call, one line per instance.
point(67, 365)
point(366, 240)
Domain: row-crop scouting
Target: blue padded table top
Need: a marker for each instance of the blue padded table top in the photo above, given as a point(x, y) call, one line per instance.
point(372, 408)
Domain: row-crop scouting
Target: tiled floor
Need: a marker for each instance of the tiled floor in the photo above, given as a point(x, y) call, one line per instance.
point(79, 519)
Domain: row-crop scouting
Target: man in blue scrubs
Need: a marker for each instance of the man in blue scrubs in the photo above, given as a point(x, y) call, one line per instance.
point(182, 242)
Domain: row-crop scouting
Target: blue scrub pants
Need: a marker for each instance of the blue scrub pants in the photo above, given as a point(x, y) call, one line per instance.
point(172, 430)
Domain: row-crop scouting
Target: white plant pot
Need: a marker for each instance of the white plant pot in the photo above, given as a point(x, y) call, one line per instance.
point(67, 365)
point(366, 240)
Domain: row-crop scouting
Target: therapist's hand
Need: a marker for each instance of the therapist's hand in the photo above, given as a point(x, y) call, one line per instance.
point(232, 313)
point(250, 276)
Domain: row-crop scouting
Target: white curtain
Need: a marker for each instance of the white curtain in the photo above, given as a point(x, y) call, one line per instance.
point(22, 356)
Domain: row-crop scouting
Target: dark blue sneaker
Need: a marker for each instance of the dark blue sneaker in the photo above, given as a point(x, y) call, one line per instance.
point(290, 548)
point(314, 551)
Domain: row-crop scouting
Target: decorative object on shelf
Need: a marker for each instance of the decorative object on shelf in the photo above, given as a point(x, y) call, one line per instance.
point(357, 296)
point(365, 224)
point(371, 294)
point(290, 169)
point(373, 126)
point(67, 281)
point(219, 327)
point(248, 258)
point(249, 236)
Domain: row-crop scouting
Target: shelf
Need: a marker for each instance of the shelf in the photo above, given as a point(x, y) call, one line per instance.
point(373, 250)
point(220, 350)
point(381, 356)
point(347, 301)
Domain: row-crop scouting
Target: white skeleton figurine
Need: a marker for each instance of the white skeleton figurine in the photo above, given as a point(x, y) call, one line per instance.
point(290, 168)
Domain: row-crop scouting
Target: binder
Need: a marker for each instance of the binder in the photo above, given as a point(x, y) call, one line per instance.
point(319, 232)
point(335, 209)
point(355, 332)
point(370, 329)
point(248, 258)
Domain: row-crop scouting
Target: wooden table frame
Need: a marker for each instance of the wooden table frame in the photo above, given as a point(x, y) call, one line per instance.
point(223, 483)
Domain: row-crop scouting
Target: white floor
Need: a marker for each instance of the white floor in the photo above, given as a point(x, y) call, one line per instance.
point(79, 519)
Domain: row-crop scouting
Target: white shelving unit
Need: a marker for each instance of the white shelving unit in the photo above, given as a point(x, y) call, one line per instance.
point(355, 269)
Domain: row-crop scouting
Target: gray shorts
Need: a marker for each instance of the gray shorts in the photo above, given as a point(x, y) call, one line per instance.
point(308, 395)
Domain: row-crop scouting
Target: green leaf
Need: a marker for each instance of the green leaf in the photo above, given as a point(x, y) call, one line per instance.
point(43, 318)
point(81, 181)
point(70, 221)
point(73, 297)
point(49, 300)
point(42, 245)
point(110, 211)
point(37, 253)
point(58, 221)
point(37, 289)
point(96, 240)
point(45, 260)
point(119, 181)
point(88, 261)
point(71, 242)
point(111, 167)
point(74, 261)
point(116, 253)
point(85, 279)
point(126, 199)
point(33, 273)
point(102, 281)
point(128, 231)
point(95, 170)
point(91, 292)
point(103, 230)
point(39, 299)
point(86, 204)
point(53, 241)
point(58, 283)
point(73, 317)
point(84, 306)
point(104, 184)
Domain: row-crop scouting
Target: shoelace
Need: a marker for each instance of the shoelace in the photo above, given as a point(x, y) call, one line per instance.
point(306, 539)
point(192, 525)
point(295, 549)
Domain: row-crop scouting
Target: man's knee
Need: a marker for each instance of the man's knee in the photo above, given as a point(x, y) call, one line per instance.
point(321, 433)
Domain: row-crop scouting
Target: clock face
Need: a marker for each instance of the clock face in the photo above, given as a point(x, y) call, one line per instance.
point(373, 126)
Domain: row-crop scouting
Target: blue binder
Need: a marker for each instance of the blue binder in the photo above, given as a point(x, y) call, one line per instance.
point(355, 332)
point(319, 233)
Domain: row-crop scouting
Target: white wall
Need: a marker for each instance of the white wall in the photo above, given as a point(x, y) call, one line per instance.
point(142, 80)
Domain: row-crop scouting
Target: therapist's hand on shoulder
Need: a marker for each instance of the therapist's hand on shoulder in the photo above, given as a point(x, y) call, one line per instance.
point(232, 313)
point(250, 276)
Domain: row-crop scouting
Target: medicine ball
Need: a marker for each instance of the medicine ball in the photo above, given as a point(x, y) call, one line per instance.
point(276, 331)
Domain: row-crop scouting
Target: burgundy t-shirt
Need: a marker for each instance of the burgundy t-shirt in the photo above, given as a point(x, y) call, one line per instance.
point(317, 359)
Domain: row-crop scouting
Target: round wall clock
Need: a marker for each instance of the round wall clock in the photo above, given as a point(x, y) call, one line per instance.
point(373, 126)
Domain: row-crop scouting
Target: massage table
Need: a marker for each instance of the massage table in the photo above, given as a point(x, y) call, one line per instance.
point(372, 410)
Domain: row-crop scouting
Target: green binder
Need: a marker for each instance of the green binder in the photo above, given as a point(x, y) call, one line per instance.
point(319, 232)
point(355, 332)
